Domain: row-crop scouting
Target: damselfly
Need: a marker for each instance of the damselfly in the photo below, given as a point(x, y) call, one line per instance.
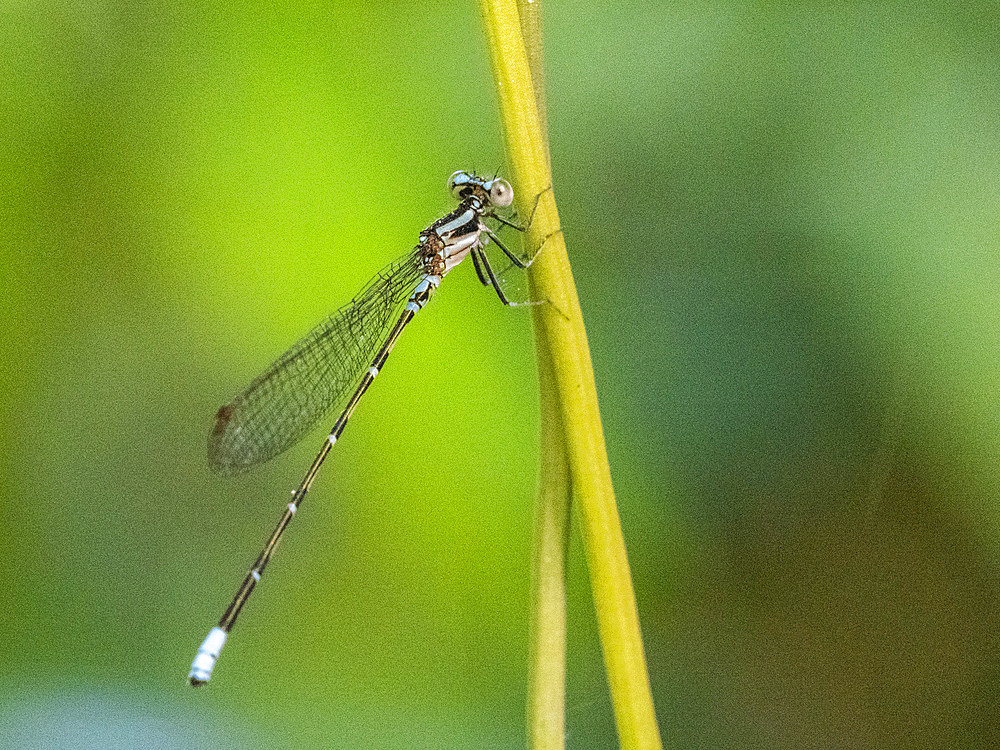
point(281, 405)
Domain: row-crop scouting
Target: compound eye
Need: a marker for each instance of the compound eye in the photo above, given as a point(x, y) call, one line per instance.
point(457, 183)
point(501, 193)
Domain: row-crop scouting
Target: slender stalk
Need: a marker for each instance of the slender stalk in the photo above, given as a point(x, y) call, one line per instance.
point(562, 342)
point(530, 14)
point(547, 657)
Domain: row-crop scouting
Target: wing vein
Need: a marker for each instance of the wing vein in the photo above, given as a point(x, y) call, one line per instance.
point(321, 370)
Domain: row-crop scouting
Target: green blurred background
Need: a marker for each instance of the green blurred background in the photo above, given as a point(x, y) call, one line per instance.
point(783, 223)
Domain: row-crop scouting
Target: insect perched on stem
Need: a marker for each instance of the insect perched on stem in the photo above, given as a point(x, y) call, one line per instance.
point(316, 374)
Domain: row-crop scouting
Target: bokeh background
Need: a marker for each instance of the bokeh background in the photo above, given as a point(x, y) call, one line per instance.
point(784, 228)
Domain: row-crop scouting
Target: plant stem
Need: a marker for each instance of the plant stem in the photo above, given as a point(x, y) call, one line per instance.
point(547, 657)
point(563, 351)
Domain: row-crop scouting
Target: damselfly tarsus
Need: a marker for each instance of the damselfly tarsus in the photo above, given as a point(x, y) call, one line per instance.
point(281, 405)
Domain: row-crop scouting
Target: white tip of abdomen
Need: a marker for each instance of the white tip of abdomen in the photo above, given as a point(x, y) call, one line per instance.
point(208, 654)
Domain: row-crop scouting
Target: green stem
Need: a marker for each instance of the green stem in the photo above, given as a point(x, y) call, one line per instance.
point(563, 351)
point(547, 656)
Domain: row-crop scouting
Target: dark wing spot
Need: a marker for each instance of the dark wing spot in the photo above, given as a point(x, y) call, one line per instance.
point(219, 458)
point(222, 418)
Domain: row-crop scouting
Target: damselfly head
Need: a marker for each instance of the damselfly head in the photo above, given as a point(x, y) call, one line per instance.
point(501, 193)
point(498, 192)
point(460, 183)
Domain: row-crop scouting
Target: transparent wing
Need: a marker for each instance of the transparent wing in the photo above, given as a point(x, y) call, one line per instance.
point(281, 405)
